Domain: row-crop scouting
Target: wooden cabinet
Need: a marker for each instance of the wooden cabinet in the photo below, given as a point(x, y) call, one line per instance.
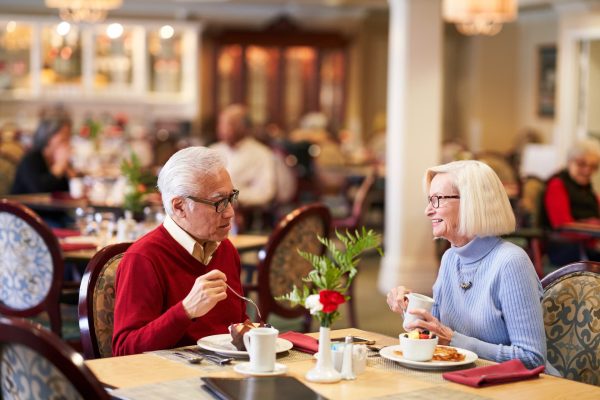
point(281, 73)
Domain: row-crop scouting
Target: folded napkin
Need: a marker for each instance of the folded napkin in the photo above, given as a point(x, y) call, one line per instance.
point(62, 233)
point(78, 246)
point(508, 371)
point(302, 342)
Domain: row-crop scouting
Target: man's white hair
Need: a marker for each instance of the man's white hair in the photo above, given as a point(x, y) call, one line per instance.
point(184, 173)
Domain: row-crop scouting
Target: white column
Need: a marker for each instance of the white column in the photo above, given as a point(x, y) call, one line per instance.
point(414, 120)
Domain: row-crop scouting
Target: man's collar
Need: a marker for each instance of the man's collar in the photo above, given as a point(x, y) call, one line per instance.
point(188, 242)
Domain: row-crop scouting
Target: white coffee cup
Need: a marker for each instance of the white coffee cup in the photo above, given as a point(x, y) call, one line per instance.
point(416, 300)
point(260, 344)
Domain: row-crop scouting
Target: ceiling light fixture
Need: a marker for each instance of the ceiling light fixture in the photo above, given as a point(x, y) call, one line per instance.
point(83, 10)
point(479, 17)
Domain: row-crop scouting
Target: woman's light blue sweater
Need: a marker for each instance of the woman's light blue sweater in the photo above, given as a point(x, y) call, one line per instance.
point(500, 316)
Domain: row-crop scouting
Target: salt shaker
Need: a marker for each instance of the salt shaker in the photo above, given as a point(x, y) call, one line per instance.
point(347, 372)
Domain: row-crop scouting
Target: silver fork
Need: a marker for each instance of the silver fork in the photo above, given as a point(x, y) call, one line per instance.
point(247, 299)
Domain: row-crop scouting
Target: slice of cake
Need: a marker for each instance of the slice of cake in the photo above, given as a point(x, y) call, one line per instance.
point(237, 333)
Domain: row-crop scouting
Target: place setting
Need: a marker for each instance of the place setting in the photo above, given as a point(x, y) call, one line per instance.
point(420, 349)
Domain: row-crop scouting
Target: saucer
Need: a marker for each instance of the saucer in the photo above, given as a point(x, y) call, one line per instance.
point(244, 368)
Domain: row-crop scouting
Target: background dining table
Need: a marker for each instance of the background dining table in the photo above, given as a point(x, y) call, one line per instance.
point(161, 375)
point(242, 242)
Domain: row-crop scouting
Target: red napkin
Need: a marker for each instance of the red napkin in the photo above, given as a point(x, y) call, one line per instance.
point(62, 233)
point(302, 342)
point(508, 371)
point(77, 246)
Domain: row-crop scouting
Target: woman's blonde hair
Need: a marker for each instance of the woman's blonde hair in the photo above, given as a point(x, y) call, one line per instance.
point(484, 206)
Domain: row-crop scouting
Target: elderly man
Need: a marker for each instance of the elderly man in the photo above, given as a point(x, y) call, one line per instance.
point(171, 285)
point(250, 163)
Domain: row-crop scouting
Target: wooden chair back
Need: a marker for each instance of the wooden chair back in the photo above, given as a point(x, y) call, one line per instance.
point(97, 301)
point(571, 305)
point(281, 266)
point(35, 363)
point(31, 266)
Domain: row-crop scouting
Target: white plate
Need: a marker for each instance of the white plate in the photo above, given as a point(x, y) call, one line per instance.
point(388, 352)
point(244, 368)
point(222, 344)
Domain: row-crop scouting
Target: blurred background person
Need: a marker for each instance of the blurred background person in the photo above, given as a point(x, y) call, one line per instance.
point(250, 163)
point(525, 137)
point(46, 167)
point(569, 197)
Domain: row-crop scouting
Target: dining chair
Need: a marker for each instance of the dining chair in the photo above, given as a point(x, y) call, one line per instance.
point(571, 305)
point(36, 364)
point(507, 173)
point(31, 266)
point(359, 204)
point(8, 169)
point(281, 267)
point(97, 301)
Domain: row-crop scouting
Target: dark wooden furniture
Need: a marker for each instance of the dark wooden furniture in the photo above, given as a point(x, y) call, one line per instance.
point(570, 303)
point(97, 301)
point(33, 260)
point(65, 377)
point(281, 266)
point(281, 72)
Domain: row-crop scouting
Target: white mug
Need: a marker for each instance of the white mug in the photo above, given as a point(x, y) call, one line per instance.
point(260, 344)
point(415, 300)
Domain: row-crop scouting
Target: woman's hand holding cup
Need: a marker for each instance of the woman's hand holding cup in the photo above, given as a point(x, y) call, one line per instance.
point(396, 299)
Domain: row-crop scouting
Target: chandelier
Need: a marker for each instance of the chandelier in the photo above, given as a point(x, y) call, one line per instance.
point(479, 17)
point(83, 10)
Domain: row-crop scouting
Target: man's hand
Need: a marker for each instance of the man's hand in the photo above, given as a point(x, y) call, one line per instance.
point(207, 291)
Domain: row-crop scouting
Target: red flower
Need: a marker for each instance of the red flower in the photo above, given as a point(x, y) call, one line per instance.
point(330, 300)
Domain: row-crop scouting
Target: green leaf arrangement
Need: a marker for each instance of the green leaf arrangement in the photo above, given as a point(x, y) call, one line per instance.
point(139, 183)
point(335, 270)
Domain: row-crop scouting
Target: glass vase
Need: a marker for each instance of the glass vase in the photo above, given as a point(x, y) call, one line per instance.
point(324, 372)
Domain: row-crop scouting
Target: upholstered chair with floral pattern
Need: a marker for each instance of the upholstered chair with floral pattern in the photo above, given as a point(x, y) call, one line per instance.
point(31, 266)
point(97, 301)
point(571, 306)
point(36, 364)
point(281, 266)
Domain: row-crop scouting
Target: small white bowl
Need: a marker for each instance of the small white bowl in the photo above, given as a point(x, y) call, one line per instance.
point(417, 349)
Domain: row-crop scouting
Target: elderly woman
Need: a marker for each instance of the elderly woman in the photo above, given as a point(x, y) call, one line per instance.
point(569, 197)
point(45, 168)
point(487, 294)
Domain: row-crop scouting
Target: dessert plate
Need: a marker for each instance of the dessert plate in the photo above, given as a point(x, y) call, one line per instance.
point(389, 353)
point(244, 368)
point(222, 344)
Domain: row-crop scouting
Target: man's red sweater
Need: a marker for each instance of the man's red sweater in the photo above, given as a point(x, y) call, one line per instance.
point(154, 276)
